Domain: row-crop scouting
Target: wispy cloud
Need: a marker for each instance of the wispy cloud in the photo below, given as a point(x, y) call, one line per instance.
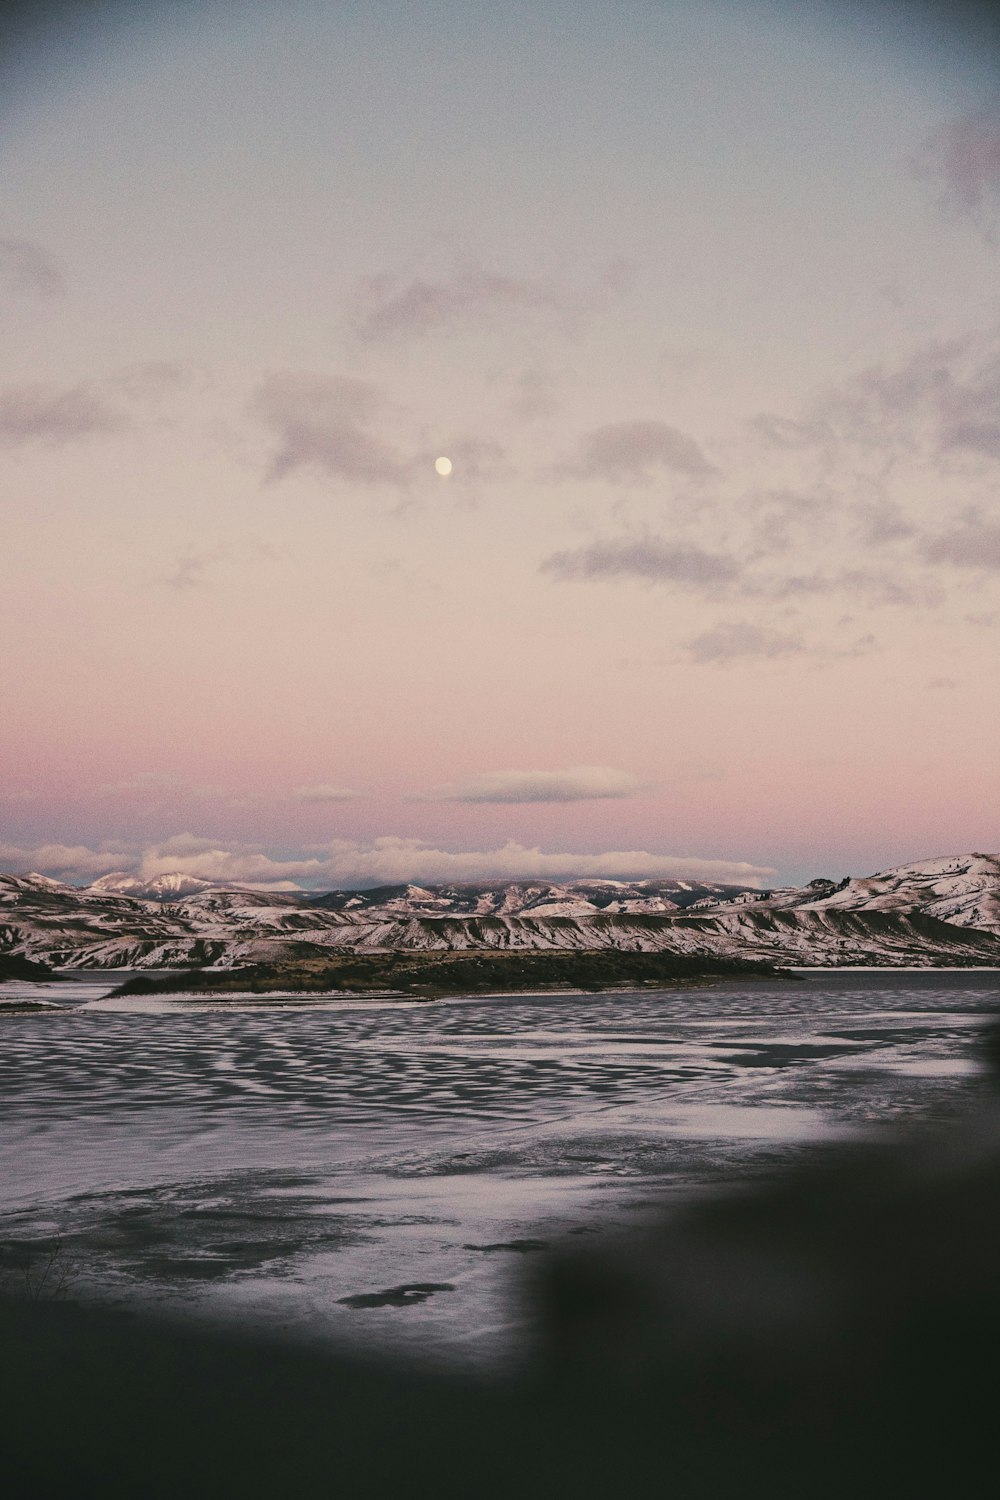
point(52, 416)
point(649, 559)
point(534, 395)
point(962, 159)
point(143, 784)
point(187, 571)
point(151, 379)
point(325, 793)
point(26, 268)
point(325, 423)
point(735, 639)
point(634, 452)
point(574, 784)
point(743, 641)
point(943, 399)
point(393, 309)
point(973, 543)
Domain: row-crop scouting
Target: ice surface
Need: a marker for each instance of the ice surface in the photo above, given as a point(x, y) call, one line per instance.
point(268, 1161)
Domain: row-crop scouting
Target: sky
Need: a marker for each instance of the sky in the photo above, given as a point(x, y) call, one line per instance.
point(700, 301)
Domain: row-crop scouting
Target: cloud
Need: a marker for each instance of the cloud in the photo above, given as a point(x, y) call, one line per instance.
point(736, 639)
point(873, 586)
point(535, 398)
point(963, 158)
point(881, 522)
point(188, 572)
point(943, 400)
point(143, 784)
point(323, 422)
point(25, 268)
point(151, 379)
point(632, 452)
point(575, 784)
point(392, 309)
point(46, 414)
point(325, 793)
point(190, 568)
point(973, 543)
point(385, 861)
point(60, 861)
point(481, 460)
point(649, 559)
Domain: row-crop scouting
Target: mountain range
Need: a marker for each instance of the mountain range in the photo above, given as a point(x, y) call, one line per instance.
point(935, 912)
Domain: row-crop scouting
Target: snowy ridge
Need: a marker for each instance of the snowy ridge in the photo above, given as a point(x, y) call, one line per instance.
point(933, 912)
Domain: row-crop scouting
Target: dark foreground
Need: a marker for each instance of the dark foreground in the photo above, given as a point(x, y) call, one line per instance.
point(434, 975)
point(833, 1333)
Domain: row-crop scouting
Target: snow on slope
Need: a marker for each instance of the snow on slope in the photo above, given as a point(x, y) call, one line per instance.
point(931, 912)
point(963, 889)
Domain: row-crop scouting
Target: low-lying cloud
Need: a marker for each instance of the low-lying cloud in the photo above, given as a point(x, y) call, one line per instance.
point(325, 793)
point(575, 784)
point(385, 861)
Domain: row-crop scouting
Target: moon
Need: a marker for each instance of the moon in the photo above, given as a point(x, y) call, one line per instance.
point(443, 466)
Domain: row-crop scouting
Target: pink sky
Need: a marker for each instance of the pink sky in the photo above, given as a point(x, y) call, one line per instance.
point(716, 575)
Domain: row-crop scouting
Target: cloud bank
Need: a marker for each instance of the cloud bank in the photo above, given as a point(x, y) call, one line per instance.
point(384, 861)
point(325, 793)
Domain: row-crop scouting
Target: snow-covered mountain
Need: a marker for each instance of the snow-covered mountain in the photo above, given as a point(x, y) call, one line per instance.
point(162, 888)
point(934, 912)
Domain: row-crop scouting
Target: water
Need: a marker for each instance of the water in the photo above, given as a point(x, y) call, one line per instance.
point(266, 1161)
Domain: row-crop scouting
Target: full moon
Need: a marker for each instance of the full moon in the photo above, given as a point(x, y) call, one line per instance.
point(443, 466)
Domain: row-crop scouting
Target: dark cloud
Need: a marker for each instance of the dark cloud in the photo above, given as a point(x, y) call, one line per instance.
point(27, 269)
point(973, 543)
point(324, 423)
point(650, 559)
point(632, 452)
point(734, 639)
point(46, 414)
point(962, 158)
point(394, 310)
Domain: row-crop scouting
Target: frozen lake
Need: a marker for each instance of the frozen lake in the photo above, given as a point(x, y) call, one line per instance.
point(266, 1161)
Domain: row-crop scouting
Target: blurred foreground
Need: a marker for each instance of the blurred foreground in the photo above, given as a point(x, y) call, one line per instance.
point(832, 1332)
